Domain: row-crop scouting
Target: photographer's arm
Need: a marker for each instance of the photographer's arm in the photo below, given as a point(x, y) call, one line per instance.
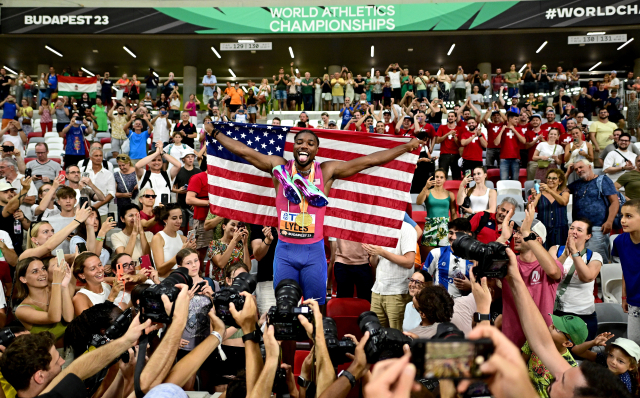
point(358, 368)
point(264, 384)
point(247, 319)
point(325, 375)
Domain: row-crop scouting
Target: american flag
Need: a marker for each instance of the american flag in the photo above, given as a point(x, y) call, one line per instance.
point(367, 207)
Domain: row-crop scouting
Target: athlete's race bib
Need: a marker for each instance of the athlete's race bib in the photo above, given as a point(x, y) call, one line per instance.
point(290, 228)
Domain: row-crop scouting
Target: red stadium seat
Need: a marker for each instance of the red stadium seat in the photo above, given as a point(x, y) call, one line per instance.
point(54, 159)
point(345, 312)
point(105, 140)
point(298, 359)
point(27, 160)
point(419, 218)
point(34, 134)
point(493, 175)
point(523, 176)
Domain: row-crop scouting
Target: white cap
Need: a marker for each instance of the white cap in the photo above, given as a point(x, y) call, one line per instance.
point(5, 186)
point(188, 152)
point(629, 346)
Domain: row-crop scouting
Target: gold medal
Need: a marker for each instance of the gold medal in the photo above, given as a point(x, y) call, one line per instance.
point(304, 219)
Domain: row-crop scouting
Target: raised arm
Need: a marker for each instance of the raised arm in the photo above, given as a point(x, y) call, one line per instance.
point(265, 163)
point(548, 263)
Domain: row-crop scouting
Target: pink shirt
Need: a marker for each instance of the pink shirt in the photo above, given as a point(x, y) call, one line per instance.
point(191, 107)
point(287, 211)
point(542, 290)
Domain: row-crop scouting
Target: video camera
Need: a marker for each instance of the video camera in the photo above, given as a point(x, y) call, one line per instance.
point(284, 315)
point(383, 343)
point(151, 305)
point(492, 257)
point(337, 348)
point(231, 294)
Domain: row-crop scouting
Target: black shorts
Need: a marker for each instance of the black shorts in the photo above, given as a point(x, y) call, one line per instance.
point(233, 108)
point(227, 102)
point(616, 117)
point(396, 93)
point(377, 96)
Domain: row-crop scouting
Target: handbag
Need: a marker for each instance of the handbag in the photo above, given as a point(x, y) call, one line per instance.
point(543, 164)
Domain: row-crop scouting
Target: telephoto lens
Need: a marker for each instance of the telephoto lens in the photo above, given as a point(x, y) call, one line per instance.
point(383, 343)
point(337, 348)
point(151, 305)
point(244, 282)
point(284, 315)
point(492, 258)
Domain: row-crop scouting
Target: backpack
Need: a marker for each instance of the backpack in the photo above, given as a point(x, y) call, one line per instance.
point(564, 284)
point(621, 198)
point(147, 178)
point(85, 164)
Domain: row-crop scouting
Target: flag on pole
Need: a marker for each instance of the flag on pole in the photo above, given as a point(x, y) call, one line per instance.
point(71, 86)
point(368, 207)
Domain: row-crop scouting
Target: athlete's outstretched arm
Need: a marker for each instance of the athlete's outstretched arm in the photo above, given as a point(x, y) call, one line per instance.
point(336, 169)
point(263, 162)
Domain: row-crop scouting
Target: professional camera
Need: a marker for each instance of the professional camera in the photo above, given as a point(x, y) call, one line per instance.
point(151, 305)
point(337, 348)
point(231, 294)
point(117, 329)
point(492, 257)
point(6, 337)
point(284, 315)
point(383, 343)
point(280, 387)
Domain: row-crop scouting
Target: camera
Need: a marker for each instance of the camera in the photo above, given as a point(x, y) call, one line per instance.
point(280, 387)
point(383, 343)
point(6, 337)
point(337, 348)
point(151, 305)
point(491, 257)
point(115, 331)
point(447, 358)
point(284, 315)
point(231, 294)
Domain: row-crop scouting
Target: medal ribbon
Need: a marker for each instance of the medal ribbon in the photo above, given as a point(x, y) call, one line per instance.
point(304, 204)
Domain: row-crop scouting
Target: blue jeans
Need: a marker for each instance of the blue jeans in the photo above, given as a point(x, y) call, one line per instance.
point(509, 167)
point(281, 95)
point(421, 94)
point(600, 243)
point(307, 99)
point(512, 91)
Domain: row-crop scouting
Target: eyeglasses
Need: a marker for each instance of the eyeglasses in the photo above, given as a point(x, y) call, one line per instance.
point(129, 265)
point(552, 178)
point(150, 196)
point(415, 281)
point(624, 140)
point(41, 153)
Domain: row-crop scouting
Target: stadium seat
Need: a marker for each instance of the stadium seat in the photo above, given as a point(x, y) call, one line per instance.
point(53, 140)
point(611, 239)
point(488, 183)
point(618, 329)
point(298, 360)
point(528, 186)
point(106, 140)
point(51, 134)
point(55, 145)
point(345, 312)
point(509, 187)
point(27, 160)
point(611, 312)
point(56, 159)
point(518, 198)
point(35, 134)
point(31, 153)
point(103, 135)
point(55, 153)
point(493, 175)
point(452, 186)
point(35, 140)
point(114, 162)
point(518, 216)
point(611, 283)
point(419, 217)
point(597, 172)
point(523, 177)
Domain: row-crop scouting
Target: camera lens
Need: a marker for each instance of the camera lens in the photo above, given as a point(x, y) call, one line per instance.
point(288, 294)
point(368, 322)
point(179, 275)
point(244, 283)
point(330, 328)
point(468, 248)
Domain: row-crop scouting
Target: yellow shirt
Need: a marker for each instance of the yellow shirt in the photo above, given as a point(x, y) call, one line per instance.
point(9, 391)
point(603, 131)
point(337, 90)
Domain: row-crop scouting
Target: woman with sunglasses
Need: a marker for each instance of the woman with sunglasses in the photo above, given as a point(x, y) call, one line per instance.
point(148, 220)
point(417, 282)
point(551, 205)
point(93, 234)
point(126, 183)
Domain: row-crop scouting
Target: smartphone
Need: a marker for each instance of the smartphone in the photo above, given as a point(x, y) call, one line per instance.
point(60, 256)
point(82, 247)
point(191, 235)
point(450, 359)
point(85, 175)
point(27, 173)
point(199, 286)
point(536, 185)
point(164, 198)
point(111, 215)
point(185, 186)
point(119, 272)
point(163, 112)
point(145, 262)
point(39, 176)
point(467, 173)
point(82, 201)
point(241, 225)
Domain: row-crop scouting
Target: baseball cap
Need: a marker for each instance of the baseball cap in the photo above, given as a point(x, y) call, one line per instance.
point(543, 67)
point(408, 117)
point(332, 122)
point(189, 151)
point(5, 186)
point(575, 328)
point(537, 227)
point(613, 72)
point(536, 115)
point(629, 346)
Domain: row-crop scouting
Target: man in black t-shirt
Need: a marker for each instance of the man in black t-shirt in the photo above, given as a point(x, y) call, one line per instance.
point(189, 131)
point(263, 244)
point(180, 185)
point(359, 89)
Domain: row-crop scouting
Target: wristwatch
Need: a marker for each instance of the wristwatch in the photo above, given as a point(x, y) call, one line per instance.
point(576, 254)
point(531, 236)
point(349, 376)
point(253, 336)
point(478, 317)
point(304, 383)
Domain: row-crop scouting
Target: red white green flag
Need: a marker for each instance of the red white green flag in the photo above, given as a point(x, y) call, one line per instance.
point(71, 86)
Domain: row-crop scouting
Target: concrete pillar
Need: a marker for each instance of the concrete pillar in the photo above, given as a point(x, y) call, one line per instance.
point(636, 67)
point(485, 67)
point(189, 81)
point(42, 68)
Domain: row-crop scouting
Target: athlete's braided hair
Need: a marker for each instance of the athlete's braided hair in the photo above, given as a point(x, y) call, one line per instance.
point(93, 320)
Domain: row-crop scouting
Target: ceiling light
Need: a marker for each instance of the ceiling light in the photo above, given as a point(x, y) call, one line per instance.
point(215, 52)
point(451, 49)
point(595, 66)
point(372, 51)
point(595, 33)
point(627, 42)
point(409, 49)
point(95, 51)
point(297, 71)
point(291, 52)
point(155, 74)
point(372, 72)
point(53, 51)
point(129, 51)
point(10, 70)
point(542, 46)
point(521, 69)
point(246, 41)
point(87, 72)
point(232, 74)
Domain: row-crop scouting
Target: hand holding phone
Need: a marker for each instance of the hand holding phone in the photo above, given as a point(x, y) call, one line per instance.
point(164, 199)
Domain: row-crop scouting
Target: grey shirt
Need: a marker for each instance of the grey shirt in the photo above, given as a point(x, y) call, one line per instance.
point(49, 169)
point(611, 148)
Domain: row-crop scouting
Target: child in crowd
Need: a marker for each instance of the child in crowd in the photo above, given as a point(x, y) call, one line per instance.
point(566, 331)
point(626, 251)
point(621, 357)
point(240, 116)
point(386, 92)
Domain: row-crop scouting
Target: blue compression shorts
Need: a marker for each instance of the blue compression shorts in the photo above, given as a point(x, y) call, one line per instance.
point(305, 264)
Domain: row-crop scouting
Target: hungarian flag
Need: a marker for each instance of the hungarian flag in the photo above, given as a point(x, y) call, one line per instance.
point(71, 86)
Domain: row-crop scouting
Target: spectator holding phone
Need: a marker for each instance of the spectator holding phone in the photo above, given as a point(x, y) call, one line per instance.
point(92, 233)
point(75, 133)
point(230, 249)
point(181, 183)
point(168, 242)
point(43, 169)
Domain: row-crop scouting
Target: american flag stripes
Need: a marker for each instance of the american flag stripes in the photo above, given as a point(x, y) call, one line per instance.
point(367, 207)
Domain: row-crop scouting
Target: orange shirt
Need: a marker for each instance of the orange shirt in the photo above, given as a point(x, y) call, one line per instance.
point(236, 97)
point(125, 83)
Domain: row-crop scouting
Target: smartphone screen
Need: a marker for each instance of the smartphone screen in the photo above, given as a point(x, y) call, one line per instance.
point(82, 247)
point(191, 235)
point(60, 256)
point(83, 200)
point(164, 199)
point(27, 173)
point(112, 216)
point(119, 272)
point(450, 359)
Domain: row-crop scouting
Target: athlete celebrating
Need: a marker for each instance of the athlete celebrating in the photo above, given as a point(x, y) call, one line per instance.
point(302, 188)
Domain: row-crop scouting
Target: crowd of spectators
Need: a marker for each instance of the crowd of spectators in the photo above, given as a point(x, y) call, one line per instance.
point(85, 230)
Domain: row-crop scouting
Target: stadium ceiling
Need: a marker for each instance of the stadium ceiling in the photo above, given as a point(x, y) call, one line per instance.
point(313, 53)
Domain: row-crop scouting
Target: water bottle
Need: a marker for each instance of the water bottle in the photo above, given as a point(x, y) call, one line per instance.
point(17, 227)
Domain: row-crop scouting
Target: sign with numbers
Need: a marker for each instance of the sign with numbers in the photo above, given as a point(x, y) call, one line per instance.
point(621, 38)
point(245, 46)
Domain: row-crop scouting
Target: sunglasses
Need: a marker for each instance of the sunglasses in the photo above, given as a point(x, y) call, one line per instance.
point(150, 196)
point(121, 158)
point(552, 178)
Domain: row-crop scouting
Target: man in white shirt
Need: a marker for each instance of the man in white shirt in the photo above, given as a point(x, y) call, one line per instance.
point(66, 198)
point(82, 185)
point(161, 126)
point(103, 179)
point(390, 292)
point(615, 82)
point(209, 82)
point(9, 173)
point(156, 178)
point(620, 160)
